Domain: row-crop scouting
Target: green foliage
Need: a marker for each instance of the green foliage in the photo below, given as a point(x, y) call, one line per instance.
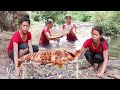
point(35, 15)
point(109, 21)
point(82, 16)
point(114, 47)
point(37, 18)
point(57, 16)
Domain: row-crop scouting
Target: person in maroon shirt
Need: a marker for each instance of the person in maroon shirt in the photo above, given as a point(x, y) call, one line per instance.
point(71, 36)
point(97, 52)
point(46, 36)
point(21, 43)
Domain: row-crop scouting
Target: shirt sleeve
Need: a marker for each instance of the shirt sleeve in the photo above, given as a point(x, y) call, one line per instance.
point(29, 36)
point(46, 30)
point(86, 43)
point(15, 38)
point(105, 45)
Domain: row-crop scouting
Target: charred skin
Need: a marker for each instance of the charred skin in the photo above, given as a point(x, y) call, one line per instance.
point(71, 54)
point(58, 57)
point(77, 53)
point(29, 57)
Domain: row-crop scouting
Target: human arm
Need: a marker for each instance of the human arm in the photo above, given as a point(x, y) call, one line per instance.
point(73, 30)
point(30, 43)
point(103, 67)
point(15, 51)
point(30, 46)
point(16, 57)
point(51, 37)
point(79, 52)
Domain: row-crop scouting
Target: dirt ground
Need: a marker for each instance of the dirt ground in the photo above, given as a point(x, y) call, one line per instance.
point(112, 71)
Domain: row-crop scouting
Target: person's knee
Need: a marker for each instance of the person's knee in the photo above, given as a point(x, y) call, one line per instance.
point(23, 46)
point(35, 48)
point(88, 54)
point(11, 55)
point(98, 58)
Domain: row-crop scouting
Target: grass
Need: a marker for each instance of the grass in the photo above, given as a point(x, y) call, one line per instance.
point(114, 47)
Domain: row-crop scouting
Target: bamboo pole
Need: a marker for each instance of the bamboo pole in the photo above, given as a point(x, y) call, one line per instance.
point(24, 71)
point(77, 69)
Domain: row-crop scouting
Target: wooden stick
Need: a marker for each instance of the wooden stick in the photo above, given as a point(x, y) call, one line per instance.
point(38, 71)
point(24, 71)
point(75, 61)
point(77, 69)
point(24, 67)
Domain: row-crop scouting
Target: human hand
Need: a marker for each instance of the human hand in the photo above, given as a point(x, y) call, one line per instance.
point(58, 40)
point(73, 26)
point(100, 74)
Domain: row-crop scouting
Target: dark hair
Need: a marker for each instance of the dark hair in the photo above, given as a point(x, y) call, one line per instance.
point(99, 29)
point(48, 21)
point(24, 18)
point(67, 16)
point(26, 15)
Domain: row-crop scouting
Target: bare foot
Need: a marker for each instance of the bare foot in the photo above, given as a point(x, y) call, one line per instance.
point(92, 68)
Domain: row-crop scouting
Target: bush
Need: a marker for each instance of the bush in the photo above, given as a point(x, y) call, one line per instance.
point(82, 16)
point(109, 21)
point(37, 18)
point(57, 16)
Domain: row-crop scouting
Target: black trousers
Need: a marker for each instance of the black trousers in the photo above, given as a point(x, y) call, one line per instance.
point(94, 57)
point(23, 46)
